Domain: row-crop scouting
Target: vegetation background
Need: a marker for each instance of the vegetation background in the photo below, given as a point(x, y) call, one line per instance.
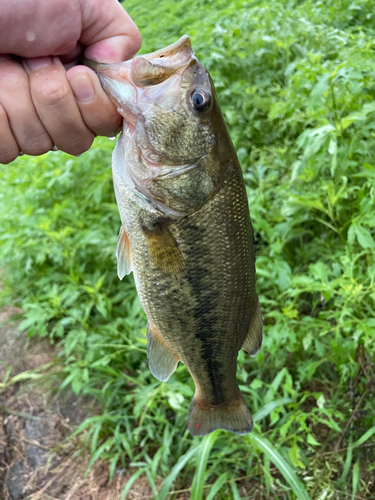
point(296, 82)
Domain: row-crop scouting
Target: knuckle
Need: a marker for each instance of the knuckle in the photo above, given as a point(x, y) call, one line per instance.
point(53, 93)
point(8, 146)
point(7, 158)
point(13, 78)
point(109, 124)
point(40, 144)
point(76, 148)
point(108, 130)
point(9, 154)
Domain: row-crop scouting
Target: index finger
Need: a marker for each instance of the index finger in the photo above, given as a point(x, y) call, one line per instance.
point(108, 32)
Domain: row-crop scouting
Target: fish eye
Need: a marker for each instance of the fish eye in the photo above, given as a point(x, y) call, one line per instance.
point(200, 100)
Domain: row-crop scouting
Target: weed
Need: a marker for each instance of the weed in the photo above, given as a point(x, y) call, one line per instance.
point(295, 81)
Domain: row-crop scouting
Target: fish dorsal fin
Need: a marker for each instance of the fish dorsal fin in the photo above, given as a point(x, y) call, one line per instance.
point(163, 247)
point(123, 255)
point(161, 359)
point(253, 340)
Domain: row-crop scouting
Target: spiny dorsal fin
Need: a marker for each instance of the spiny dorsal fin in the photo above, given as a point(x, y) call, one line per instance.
point(161, 359)
point(253, 341)
point(123, 255)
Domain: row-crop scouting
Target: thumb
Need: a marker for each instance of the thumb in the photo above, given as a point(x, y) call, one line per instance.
point(108, 32)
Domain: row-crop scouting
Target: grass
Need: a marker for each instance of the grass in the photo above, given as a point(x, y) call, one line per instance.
point(295, 81)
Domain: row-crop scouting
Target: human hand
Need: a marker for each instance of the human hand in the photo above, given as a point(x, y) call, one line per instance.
point(42, 103)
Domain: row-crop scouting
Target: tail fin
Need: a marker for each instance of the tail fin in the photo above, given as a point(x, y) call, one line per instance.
point(234, 417)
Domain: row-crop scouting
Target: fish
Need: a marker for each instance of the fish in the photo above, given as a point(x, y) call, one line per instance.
point(186, 232)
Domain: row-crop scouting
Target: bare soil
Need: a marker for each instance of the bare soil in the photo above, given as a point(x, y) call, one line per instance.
point(36, 463)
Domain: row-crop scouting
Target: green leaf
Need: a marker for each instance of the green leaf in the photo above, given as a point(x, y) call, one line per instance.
point(312, 140)
point(312, 440)
point(269, 407)
point(95, 437)
point(151, 481)
point(235, 492)
point(363, 236)
point(364, 438)
point(113, 465)
point(347, 464)
point(355, 479)
point(99, 452)
point(218, 484)
point(202, 459)
point(319, 89)
point(332, 150)
point(295, 456)
point(167, 484)
point(279, 461)
point(130, 482)
point(360, 116)
point(306, 341)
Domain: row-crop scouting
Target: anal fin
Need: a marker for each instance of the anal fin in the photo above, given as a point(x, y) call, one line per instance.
point(161, 359)
point(253, 340)
point(123, 255)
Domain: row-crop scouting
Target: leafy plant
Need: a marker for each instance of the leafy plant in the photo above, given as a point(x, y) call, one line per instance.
point(295, 81)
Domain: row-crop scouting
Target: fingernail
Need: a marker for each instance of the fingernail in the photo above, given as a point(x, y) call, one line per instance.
point(82, 87)
point(38, 63)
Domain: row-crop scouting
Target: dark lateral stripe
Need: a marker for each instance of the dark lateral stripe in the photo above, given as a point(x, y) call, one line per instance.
point(205, 313)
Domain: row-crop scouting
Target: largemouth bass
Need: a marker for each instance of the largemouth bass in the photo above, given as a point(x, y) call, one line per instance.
point(186, 231)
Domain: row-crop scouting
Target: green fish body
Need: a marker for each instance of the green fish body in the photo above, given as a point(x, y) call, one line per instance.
point(186, 231)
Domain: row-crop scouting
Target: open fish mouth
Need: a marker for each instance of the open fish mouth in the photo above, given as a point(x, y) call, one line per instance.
point(166, 100)
point(134, 83)
point(125, 82)
point(156, 67)
point(149, 69)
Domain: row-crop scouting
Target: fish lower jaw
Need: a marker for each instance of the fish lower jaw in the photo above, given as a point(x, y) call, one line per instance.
point(128, 125)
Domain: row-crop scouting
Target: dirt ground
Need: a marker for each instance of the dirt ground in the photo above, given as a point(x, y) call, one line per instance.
point(35, 462)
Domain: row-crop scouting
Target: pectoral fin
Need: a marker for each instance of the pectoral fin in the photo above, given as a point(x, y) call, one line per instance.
point(161, 359)
point(123, 255)
point(253, 341)
point(163, 248)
